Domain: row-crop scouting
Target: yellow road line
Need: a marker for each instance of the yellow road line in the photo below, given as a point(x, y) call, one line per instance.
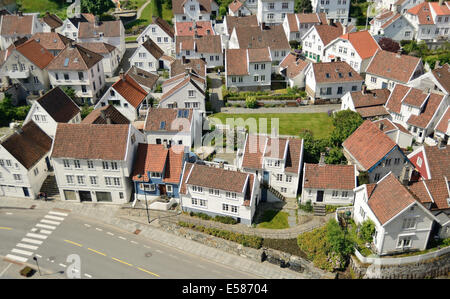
point(79, 245)
point(117, 260)
point(148, 272)
point(6, 228)
point(101, 253)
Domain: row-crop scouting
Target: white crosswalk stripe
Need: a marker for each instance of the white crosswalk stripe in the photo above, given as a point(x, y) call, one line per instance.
point(58, 213)
point(21, 245)
point(54, 217)
point(17, 258)
point(45, 226)
point(50, 222)
point(32, 241)
point(24, 252)
point(47, 232)
point(38, 236)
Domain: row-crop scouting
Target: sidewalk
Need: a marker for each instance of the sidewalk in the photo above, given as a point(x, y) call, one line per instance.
point(109, 214)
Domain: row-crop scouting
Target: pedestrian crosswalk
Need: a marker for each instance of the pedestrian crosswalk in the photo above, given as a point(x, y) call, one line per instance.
point(37, 235)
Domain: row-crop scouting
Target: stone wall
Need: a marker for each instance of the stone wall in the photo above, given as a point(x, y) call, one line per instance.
point(434, 267)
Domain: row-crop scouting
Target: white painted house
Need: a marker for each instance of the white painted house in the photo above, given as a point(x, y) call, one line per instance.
point(111, 56)
point(294, 69)
point(367, 103)
point(219, 192)
point(273, 12)
point(297, 24)
point(401, 222)
point(94, 162)
point(237, 8)
point(437, 80)
point(14, 27)
point(396, 132)
point(160, 32)
point(147, 56)
point(336, 10)
point(318, 37)
point(392, 25)
point(22, 172)
point(70, 25)
point(194, 10)
point(207, 47)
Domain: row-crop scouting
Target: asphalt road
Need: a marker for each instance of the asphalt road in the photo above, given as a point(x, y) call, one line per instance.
point(103, 251)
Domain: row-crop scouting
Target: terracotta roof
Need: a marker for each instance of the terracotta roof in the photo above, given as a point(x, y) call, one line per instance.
point(389, 198)
point(294, 65)
point(241, 21)
point(388, 125)
point(153, 48)
point(336, 177)
point(84, 17)
point(328, 33)
point(236, 62)
point(99, 48)
point(393, 66)
point(217, 178)
point(76, 58)
point(51, 40)
point(422, 11)
point(35, 53)
point(181, 77)
point(58, 105)
point(100, 115)
point(167, 119)
point(130, 90)
point(444, 122)
point(177, 6)
point(391, 21)
point(166, 27)
point(52, 20)
point(259, 55)
point(372, 111)
point(157, 158)
point(180, 85)
point(438, 160)
point(441, 10)
point(442, 75)
point(187, 169)
point(209, 44)
point(235, 5)
point(415, 97)
point(368, 144)
point(187, 28)
point(292, 22)
point(369, 98)
point(16, 25)
point(363, 42)
point(142, 77)
point(433, 191)
point(394, 102)
point(252, 37)
point(333, 72)
point(92, 30)
point(423, 119)
point(196, 65)
point(89, 141)
point(29, 146)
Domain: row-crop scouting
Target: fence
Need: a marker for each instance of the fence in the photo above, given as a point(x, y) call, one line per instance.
point(402, 260)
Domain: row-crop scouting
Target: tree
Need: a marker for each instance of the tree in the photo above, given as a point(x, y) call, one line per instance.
point(96, 7)
point(303, 5)
point(335, 156)
point(338, 240)
point(345, 123)
point(85, 110)
point(312, 147)
point(70, 92)
point(388, 44)
point(9, 113)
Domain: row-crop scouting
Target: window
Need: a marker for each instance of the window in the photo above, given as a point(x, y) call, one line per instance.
point(335, 193)
point(148, 187)
point(285, 5)
point(197, 189)
point(288, 178)
point(225, 207)
point(142, 55)
point(339, 90)
point(397, 161)
point(69, 179)
point(230, 195)
point(256, 67)
point(279, 177)
point(377, 176)
point(155, 175)
point(17, 177)
point(362, 213)
point(373, 80)
point(66, 163)
point(80, 180)
point(108, 181)
point(166, 39)
point(263, 78)
point(93, 180)
point(116, 181)
point(344, 193)
point(404, 242)
point(271, 5)
point(233, 209)
point(76, 163)
point(90, 164)
point(233, 79)
point(114, 165)
point(277, 163)
point(191, 93)
point(214, 192)
point(409, 223)
point(354, 88)
point(270, 16)
point(419, 162)
point(283, 189)
point(105, 165)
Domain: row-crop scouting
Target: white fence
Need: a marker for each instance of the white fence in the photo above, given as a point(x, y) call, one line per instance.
point(401, 260)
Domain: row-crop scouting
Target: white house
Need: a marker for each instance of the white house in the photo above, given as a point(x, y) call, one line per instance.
point(368, 103)
point(24, 161)
point(416, 110)
point(297, 24)
point(318, 37)
point(52, 108)
point(442, 129)
point(147, 56)
point(51, 22)
point(194, 10)
point(25, 64)
point(14, 27)
point(111, 56)
point(431, 162)
point(207, 47)
point(355, 48)
point(70, 25)
point(336, 10)
point(237, 8)
point(51, 41)
point(276, 161)
point(128, 97)
point(248, 69)
point(293, 68)
point(93, 163)
point(109, 32)
point(392, 25)
point(373, 152)
point(331, 80)
point(401, 222)
point(160, 32)
point(80, 69)
point(328, 184)
point(145, 79)
point(196, 66)
point(437, 80)
point(219, 192)
point(274, 11)
point(396, 132)
point(387, 69)
point(173, 126)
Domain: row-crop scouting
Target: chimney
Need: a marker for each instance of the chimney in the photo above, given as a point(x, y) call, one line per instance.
point(436, 64)
point(263, 25)
point(208, 32)
point(399, 53)
point(165, 144)
point(441, 144)
point(381, 125)
point(404, 177)
point(364, 89)
point(441, 2)
point(322, 159)
point(121, 74)
point(331, 22)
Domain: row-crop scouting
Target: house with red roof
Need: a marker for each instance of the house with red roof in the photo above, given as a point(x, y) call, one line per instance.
point(402, 223)
point(442, 129)
point(15, 27)
point(194, 10)
point(431, 162)
point(206, 47)
point(336, 11)
point(149, 57)
point(161, 32)
point(217, 190)
point(396, 132)
point(374, 153)
point(437, 80)
point(297, 24)
point(294, 69)
point(238, 8)
point(128, 97)
point(355, 48)
point(393, 25)
point(367, 103)
point(157, 171)
point(24, 63)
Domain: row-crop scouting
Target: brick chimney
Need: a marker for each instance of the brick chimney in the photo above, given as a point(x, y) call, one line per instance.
point(322, 159)
point(381, 126)
point(121, 74)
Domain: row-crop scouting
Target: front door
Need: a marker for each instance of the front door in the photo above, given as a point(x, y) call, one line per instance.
point(161, 64)
point(266, 177)
point(85, 196)
point(25, 191)
point(162, 189)
point(319, 196)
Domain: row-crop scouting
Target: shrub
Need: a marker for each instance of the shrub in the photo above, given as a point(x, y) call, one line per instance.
point(251, 102)
point(367, 230)
point(307, 207)
point(225, 219)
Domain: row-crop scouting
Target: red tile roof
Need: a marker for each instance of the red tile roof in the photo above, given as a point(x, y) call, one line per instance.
point(188, 29)
point(336, 177)
point(444, 122)
point(393, 66)
point(328, 33)
point(51, 40)
point(179, 86)
point(100, 115)
point(16, 25)
point(363, 42)
point(433, 191)
point(369, 98)
point(428, 111)
point(58, 105)
point(442, 75)
point(235, 5)
point(172, 122)
point(394, 102)
point(335, 72)
point(236, 62)
point(130, 90)
point(372, 111)
point(368, 144)
point(422, 11)
point(441, 10)
point(93, 30)
point(75, 58)
point(35, 53)
point(89, 141)
point(438, 160)
point(241, 21)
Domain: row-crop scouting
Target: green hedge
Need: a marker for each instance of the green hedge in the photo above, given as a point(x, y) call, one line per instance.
point(247, 241)
point(267, 98)
point(222, 219)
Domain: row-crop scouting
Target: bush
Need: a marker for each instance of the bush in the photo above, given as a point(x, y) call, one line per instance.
point(307, 207)
point(367, 231)
point(251, 102)
point(225, 219)
point(10, 113)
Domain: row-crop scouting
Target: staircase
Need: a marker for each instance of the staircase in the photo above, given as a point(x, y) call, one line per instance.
point(319, 210)
point(276, 193)
point(50, 187)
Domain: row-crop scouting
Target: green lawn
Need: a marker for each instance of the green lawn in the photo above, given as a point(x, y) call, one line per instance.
point(274, 220)
point(53, 6)
point(290, 123)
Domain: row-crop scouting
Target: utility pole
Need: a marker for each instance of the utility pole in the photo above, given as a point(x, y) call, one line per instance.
point(35, 259)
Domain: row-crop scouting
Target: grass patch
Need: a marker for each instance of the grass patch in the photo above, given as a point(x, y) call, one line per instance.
point(52, 6)
point(274, 220)
point(131, 38)
point(290, 123)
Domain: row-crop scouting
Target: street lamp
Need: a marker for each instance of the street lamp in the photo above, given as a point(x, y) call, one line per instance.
point(35, 259)
point(145, 196)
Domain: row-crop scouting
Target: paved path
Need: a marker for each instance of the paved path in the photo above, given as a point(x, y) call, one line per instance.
point(139, 12)
point(216, 97)
point(302, 109)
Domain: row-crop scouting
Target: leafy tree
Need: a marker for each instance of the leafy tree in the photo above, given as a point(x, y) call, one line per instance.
point(312, 147)
point(70, 92)
point(303, 5)
point(345, 123)
point(85, 110)
point(335, 156)
point(367, 230)
point(337, 239)
point(96, 7)
point(388, 44)
point(9, 113)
